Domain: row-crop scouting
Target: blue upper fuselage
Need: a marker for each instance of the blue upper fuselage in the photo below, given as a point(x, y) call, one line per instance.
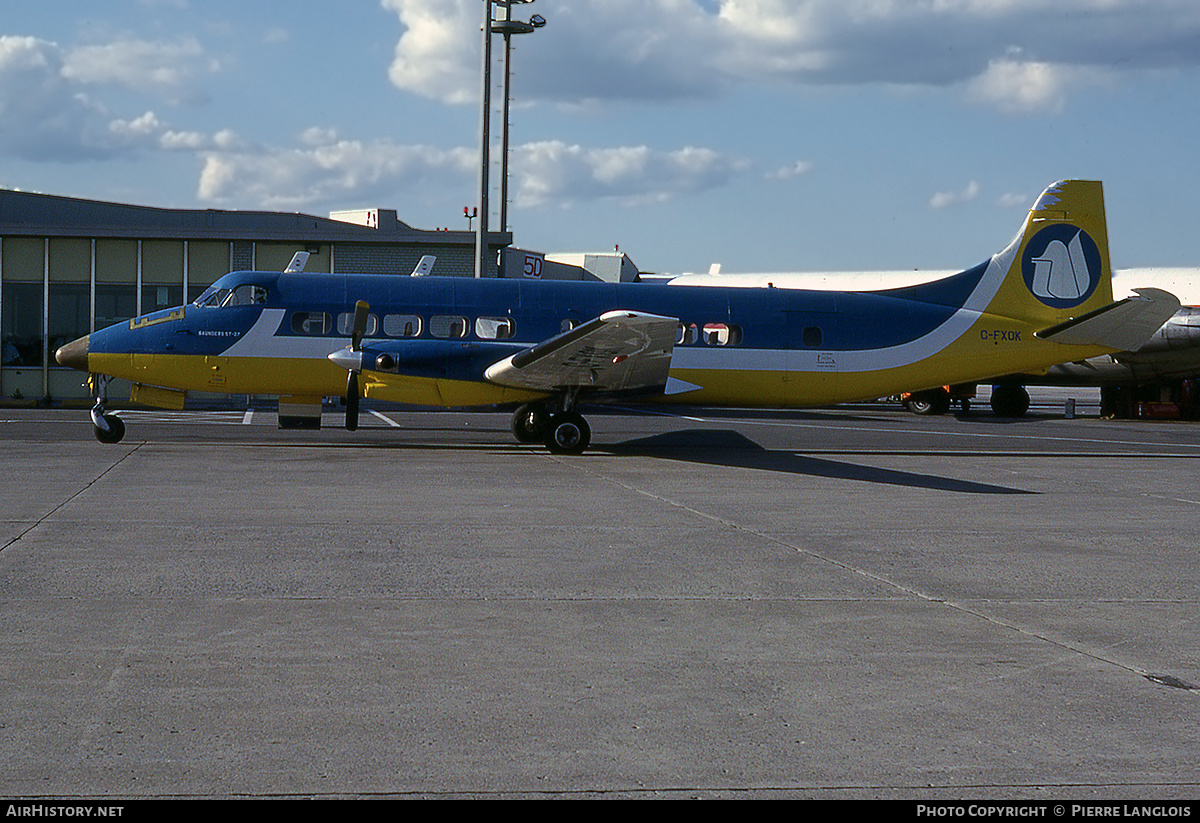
point(315, 306)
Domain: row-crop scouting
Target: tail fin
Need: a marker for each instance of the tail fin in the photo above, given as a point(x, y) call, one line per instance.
point(1057, 267)
point(1057, 276)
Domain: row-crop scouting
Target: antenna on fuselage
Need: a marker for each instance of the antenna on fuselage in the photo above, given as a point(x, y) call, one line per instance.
point(425, 266)
point(299, 261)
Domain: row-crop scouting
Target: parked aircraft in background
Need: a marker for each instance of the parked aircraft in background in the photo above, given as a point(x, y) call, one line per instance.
point(548, 347)
point(1156, 373)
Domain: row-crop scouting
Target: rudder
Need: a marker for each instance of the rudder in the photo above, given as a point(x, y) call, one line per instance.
point(1058, 264)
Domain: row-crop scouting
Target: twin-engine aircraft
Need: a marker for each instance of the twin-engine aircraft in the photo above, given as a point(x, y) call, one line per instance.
point(549, 347)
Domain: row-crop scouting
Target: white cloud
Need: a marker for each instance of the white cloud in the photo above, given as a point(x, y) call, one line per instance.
point(659, 49)
point(946, 199)
point(552, 172)
point(44, 117)
point(1018, 87)
point(323, 172)
point(50, 101)
point(328, 169)
point(431, 55)
point(590, 50)
point(797, 169)
point(164, 69)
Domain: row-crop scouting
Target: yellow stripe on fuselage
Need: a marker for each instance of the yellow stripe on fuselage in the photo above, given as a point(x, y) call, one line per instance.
point(991, 346)
point(230, 375)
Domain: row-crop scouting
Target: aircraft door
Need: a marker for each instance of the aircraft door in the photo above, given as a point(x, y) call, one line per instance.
point(812, 359)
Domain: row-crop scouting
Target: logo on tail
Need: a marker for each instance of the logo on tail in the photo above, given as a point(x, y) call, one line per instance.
point(1061, 266)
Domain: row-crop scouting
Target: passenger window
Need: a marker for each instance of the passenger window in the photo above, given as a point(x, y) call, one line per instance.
point(402, 325)
point(686, 334)
point(442, 325)
point(345, 324)
point(812, 337)
point(566, 326)
point(494, 328)
point(720, 334)
point(311, 322)
point(247, 295)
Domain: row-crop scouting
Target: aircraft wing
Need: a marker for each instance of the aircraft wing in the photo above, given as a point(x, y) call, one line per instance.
point(1125, 325)
point(617, 351)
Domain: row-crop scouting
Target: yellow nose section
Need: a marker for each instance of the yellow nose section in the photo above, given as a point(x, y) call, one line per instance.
point(74, 354)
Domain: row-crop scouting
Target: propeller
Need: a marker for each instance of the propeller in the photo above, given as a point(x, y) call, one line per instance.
point(361, 309)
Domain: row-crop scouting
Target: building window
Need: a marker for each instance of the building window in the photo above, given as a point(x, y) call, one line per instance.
point(70, 312)
point(22, 332)
point(115, 303)
point(155, 297)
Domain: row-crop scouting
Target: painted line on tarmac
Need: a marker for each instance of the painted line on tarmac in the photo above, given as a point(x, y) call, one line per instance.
point(924, 432)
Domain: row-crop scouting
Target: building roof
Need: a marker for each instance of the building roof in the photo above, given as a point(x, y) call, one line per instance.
point(45, 215)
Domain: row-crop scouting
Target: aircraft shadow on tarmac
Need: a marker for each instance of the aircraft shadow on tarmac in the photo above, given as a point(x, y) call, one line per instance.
point(731, 449)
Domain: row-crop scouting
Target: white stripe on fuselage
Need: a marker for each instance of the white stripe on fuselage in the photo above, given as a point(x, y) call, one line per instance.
point(261, 340)
point(860, 360)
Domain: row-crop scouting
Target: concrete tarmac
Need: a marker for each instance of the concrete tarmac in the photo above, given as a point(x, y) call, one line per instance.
point(842, 603)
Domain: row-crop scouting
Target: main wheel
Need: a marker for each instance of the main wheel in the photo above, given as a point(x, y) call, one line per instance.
point(1010, 400)
point(933, 401)
point(529, 423)
point(116, 430)
point(568, 433)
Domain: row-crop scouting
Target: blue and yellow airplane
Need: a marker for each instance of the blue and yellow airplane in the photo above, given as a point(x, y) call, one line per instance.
point(547, 347)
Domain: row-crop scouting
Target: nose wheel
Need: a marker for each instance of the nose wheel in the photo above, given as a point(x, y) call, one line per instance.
point(108, 428)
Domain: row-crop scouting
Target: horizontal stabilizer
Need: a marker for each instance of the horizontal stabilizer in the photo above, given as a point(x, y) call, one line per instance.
point(1125, 325)
point(617, 351)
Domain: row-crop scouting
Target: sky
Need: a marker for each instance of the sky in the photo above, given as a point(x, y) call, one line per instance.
point(763, 135)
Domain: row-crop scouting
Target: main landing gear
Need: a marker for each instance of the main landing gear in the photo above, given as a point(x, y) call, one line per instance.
point(1009, 400)
point(108, 428)
point(559, 426)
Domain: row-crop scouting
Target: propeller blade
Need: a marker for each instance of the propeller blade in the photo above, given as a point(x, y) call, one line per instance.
point(360, 324)
point(352, 401)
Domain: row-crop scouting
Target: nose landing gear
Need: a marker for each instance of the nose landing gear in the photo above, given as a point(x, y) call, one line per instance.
point(108, 428)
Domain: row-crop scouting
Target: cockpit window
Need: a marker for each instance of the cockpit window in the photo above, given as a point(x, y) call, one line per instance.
point(212, 296)
point(247, 294)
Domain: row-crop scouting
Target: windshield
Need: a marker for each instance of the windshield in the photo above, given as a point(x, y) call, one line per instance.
point(247, 294)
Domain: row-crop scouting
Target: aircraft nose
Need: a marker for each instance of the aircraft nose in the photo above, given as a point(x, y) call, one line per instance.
point(74, 354)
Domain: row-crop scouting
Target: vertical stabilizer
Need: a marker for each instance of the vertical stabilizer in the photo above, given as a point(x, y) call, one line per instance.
point(1058, 265)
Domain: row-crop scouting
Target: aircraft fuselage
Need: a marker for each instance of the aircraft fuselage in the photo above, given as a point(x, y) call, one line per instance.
point(768, 347)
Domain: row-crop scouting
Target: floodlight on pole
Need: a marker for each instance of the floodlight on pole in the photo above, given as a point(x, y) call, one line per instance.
point(506, 27)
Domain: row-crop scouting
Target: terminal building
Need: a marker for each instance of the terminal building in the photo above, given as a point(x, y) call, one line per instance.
point(69, 267)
